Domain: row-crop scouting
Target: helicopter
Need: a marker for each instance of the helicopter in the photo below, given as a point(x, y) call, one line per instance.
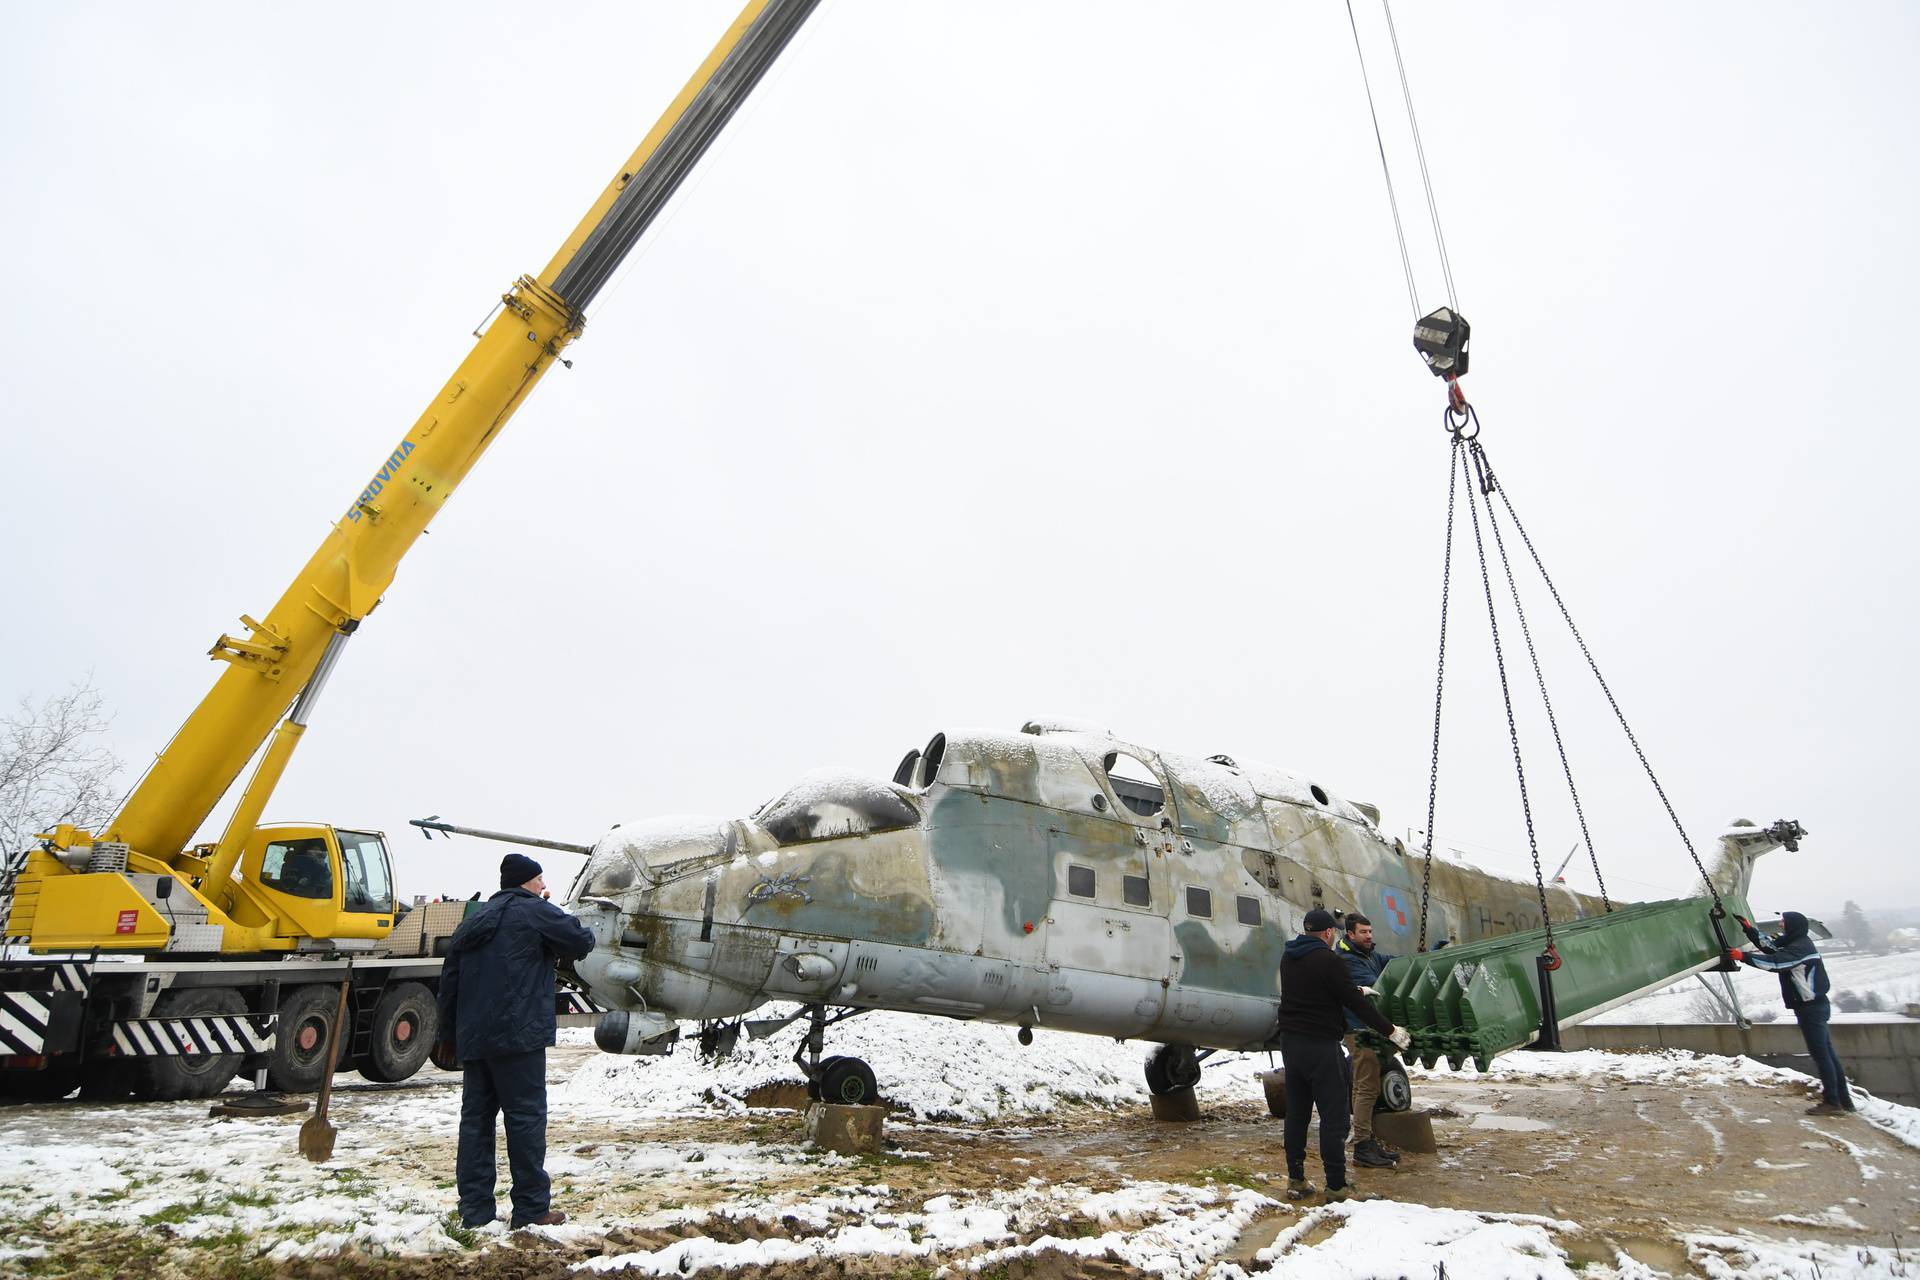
point(1056, 877)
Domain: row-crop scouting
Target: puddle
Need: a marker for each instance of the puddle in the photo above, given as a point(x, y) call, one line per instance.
point(1517, 1124)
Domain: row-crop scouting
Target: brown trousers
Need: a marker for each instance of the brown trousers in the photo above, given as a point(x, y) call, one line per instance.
point(1364, 1066)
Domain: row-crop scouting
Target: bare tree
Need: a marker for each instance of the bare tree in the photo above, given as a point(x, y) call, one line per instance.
point(53, 769)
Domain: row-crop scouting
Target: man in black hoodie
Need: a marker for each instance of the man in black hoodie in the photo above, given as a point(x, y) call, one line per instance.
point(497, 1012)
point(1316, 991)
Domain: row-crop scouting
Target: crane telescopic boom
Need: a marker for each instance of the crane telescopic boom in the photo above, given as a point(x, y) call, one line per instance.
point(284, 656)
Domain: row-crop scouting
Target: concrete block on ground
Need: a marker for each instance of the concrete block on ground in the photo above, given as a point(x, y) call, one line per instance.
point(851, 1131)
point(1178, 1107)
point(1407, 1130)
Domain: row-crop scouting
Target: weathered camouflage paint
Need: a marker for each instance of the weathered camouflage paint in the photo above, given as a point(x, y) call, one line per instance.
point(967, 911)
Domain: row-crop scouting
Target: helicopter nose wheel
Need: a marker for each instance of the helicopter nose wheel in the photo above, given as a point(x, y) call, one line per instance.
point(849, 1082)
point(837, 1079)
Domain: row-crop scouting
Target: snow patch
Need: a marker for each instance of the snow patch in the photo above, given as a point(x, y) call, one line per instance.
point(1388, 1238)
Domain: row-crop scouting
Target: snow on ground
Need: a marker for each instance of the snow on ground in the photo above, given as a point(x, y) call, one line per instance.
point(1894, 979)
point(1678, 1067)
point(655, 1199)
point(1387, 1238)
point(1169, 1229)
point(981, 1073)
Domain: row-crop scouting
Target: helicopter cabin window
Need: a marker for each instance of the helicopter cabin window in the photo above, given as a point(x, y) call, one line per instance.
point(298, 867)
point(1134, 892)
point(1137, 787)
point(1249, 910)
point(1199, 902)
point(827, 804)
point(363, 866)
point(1080, 881)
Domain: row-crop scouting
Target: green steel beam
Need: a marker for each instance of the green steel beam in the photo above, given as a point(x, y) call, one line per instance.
point(1471, 1001)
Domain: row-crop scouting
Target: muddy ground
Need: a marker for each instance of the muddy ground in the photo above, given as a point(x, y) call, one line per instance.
point(1636, 1165)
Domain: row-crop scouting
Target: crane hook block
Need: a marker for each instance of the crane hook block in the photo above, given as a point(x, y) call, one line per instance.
point(1441, 339)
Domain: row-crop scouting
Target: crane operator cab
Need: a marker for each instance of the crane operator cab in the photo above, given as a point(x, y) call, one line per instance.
point(319, 883)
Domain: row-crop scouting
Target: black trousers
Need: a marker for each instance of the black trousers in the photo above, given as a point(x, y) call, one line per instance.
point(1316, 1077)
point(517, 1086)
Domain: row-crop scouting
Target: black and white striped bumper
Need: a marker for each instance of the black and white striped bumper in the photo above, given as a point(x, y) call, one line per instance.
point(155, 1037)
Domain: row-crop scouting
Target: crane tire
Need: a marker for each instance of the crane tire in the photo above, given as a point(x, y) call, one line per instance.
point(45, 1084)
point(299, 1058)
point(405, 1025)
point(172, 1077)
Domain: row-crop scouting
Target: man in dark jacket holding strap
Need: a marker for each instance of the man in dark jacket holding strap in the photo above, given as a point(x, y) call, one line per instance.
point(1364, 964)
point(497, 1013)
point(1803, 986)
point(1315, 992)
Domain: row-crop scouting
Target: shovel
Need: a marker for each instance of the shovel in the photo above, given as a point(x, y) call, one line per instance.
point(316, 1135)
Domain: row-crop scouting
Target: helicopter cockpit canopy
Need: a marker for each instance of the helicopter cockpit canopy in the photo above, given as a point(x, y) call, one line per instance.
point(831, 802)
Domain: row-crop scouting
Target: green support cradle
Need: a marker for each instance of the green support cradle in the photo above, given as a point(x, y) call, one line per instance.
point(1471, 1001)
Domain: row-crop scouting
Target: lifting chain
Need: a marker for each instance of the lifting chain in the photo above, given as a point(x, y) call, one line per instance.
point(1485, 487)
point(1468, 456)
point(1440, 675)
point(1540, 679)
point(1718, 907)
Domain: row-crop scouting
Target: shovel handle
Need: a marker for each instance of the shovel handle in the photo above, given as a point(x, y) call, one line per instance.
point(332, 1052)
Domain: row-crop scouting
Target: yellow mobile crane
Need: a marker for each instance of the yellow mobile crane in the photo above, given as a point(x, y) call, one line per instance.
point(289, 893)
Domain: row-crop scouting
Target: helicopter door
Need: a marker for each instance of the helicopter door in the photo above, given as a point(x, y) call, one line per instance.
point(1110, 890)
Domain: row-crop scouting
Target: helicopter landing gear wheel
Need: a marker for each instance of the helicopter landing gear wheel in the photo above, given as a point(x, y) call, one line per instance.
point(1171, 1068)
point(848, 1082)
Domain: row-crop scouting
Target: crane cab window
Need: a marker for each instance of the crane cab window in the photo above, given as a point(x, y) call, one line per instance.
point(298, 867)
point(1135, 892)
point(363, 863)
point(1080, 881)
point(1199, 902)
point(1136, 786)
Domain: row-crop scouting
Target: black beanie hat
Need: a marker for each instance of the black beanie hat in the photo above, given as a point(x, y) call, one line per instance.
point(516, 869)
point(1317, 920)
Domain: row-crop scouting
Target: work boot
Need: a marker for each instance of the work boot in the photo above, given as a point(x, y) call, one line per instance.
point(551, 1218)
point(1368, 1155)
point(1299, 1188)
point(1336, 1195)
point(1826, 1109)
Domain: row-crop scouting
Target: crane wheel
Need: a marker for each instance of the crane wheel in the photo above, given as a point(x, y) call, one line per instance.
point(300, 1038)
point(406, 1023)
point(45, 1084)
point(171, 1077)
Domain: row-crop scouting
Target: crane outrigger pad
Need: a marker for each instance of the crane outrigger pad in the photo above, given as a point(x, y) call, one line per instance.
point(1471, 1001)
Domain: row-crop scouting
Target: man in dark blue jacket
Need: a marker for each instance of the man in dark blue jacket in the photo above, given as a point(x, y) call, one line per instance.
point(497, 1012)
point(1314, 988)
point(1804, 987)
point(1364, 964)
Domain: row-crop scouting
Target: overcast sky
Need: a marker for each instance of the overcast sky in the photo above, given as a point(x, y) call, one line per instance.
point(1003, 360)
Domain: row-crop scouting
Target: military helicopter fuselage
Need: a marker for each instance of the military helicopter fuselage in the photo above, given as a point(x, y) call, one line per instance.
point(1055, 877)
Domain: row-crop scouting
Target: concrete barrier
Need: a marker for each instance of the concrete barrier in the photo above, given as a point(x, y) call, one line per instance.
point(1881, 1057)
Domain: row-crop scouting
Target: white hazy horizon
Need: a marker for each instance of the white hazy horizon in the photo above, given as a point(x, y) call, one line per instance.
point(999, 362)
